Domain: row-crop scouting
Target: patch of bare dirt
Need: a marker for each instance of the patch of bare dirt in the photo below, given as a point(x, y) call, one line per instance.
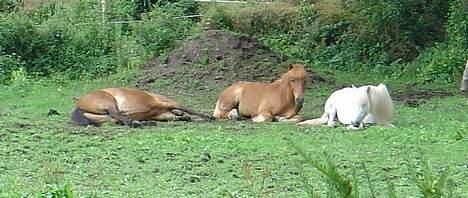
point(214, 60)
point(413, 98)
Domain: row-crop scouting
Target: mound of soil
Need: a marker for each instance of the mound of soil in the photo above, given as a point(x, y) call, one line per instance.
point(214, 60)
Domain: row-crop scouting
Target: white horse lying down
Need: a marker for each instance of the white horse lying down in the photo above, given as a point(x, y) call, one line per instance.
point(357, 106)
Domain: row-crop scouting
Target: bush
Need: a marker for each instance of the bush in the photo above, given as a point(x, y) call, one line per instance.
point(7, 6)
point(8, 65)
point(345, 35)
point(446, 61)
point(255, 19)
point(160, 29)
point(57, 45)
point(73, 42)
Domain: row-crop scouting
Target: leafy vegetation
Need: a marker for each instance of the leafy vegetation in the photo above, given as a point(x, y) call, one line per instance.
point(47, 50)
point(392, 37)
point(73, 42)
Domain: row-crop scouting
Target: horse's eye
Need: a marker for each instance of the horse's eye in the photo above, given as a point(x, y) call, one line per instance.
point(292, 80)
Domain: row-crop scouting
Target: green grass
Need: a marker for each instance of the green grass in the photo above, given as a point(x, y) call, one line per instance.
point(199, 159)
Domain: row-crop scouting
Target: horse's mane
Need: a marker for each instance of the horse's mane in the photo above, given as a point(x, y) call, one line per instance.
point(295, 73)
point(381, 105)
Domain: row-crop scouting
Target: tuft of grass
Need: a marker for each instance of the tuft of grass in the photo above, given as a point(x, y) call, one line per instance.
point(256, 186)
point(371, 187)
point(429, 183)
point(391, 193)
point(338, 185)
point(54, 191)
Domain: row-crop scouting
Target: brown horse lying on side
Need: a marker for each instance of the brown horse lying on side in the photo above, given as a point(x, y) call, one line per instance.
point(280, 100)
point(131, 107)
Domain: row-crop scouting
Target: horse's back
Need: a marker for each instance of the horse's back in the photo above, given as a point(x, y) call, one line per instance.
point(96, 102)
point(164, 101)
point(131, 100)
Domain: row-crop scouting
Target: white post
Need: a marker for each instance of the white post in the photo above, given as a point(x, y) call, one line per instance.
point(103, 10)
point(464, 81)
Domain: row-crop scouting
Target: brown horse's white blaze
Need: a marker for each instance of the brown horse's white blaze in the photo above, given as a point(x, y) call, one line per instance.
point(128, 106)
point(281, 100)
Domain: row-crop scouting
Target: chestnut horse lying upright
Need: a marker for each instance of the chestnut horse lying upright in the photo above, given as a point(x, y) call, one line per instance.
point(131, 107)
point(280, 100)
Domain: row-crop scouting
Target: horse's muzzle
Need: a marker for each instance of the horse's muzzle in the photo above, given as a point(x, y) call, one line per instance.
point(355, 124)
point(299, 101)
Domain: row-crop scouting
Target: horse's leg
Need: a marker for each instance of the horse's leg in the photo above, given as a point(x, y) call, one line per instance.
point(177, 112)
point(317, 121)
point(332, 113)
point(262, 117)
point(170, 116)
point(148, 123)
point(233, 114)
point(227, 101)
point(114, 113)
point(388, 125)
point(224, 111)
point(102, 103)
point(99, 119)
point(296, 118)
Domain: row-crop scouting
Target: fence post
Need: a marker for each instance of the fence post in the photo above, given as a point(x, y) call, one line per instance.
point(104, 10)
point(464, 81)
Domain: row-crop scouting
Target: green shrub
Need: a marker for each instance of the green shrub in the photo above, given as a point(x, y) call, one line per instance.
point(8, 65)
point(72, 41)
point(160, 30)
point(218, 18)
point(58, 45)
point(253, 19)
point(446, 60)
point(345, 35)
point(7, 6)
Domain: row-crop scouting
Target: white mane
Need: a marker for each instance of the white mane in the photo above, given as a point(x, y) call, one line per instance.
point(381, 106)
point(355, 106)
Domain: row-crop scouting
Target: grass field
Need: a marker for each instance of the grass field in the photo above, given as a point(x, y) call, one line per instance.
point(199, 159)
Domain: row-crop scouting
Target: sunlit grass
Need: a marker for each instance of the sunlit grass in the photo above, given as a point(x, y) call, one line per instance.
point(179, 159)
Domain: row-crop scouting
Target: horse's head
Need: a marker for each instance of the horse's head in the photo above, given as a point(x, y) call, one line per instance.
point(358, 104)
point(296, 77)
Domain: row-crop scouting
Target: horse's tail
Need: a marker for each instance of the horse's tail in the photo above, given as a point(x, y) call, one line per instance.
point(192, 112)
point(78, 118)
point(315, 122)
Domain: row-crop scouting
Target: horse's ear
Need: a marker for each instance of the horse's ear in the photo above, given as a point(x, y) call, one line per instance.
point(352, 86)
point(290, 66)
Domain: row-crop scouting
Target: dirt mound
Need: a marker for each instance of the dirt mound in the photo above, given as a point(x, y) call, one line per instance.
point(214, 59)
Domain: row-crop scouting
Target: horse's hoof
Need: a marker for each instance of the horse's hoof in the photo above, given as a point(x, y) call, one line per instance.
point(210, 118)
point(135, 124)
point(351, 127)
point(233, 114)
point(177, 112)
point(183, 118)
point(150, 123)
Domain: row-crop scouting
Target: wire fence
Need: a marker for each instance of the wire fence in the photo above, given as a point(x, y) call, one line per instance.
point(178, 17)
